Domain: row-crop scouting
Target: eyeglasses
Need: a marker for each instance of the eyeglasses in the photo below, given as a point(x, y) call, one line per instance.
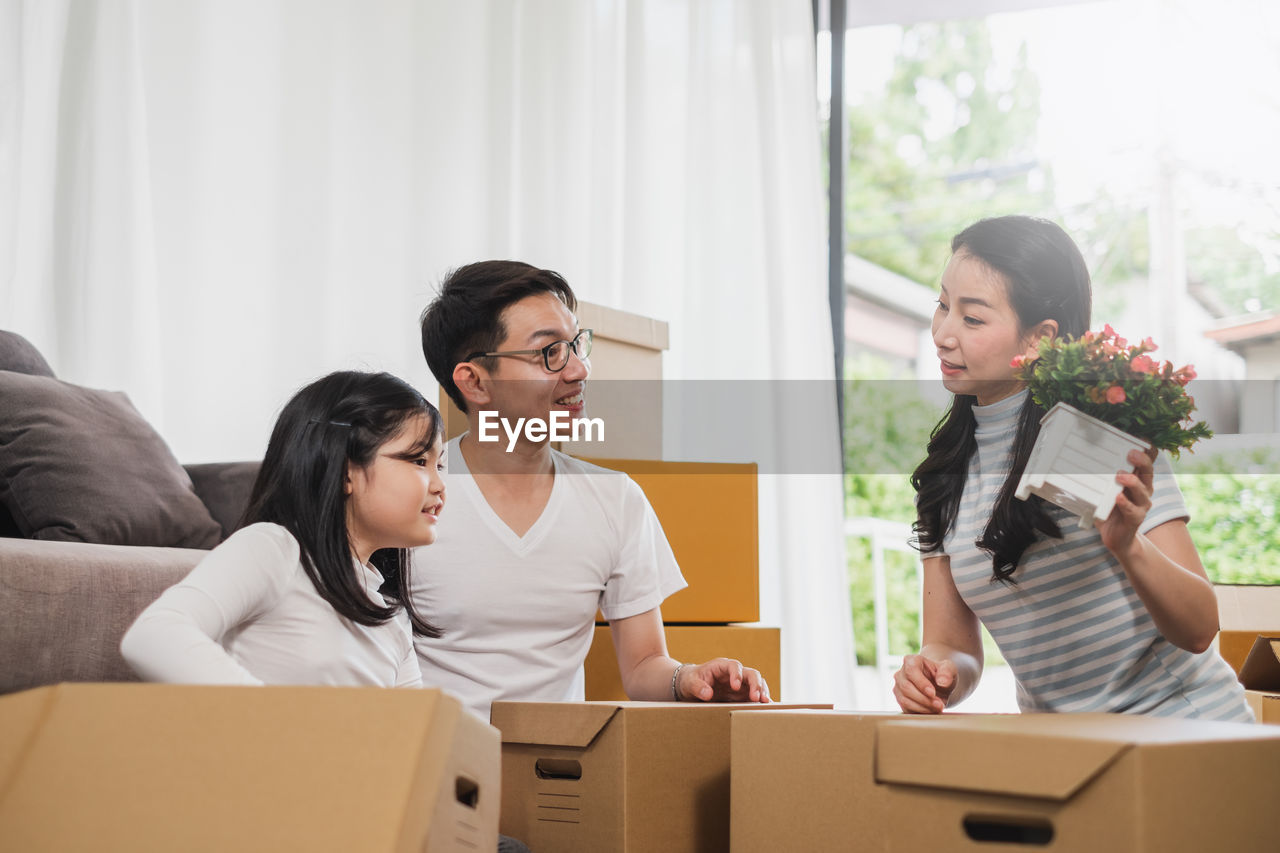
point(554, 355)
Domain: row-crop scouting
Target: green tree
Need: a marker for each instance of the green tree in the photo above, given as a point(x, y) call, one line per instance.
point(1234, 501)
point(887, 426)
point(951, 139)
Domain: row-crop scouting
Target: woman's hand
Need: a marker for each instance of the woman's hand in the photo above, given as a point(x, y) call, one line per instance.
point(1119, 530)
point(923, 686)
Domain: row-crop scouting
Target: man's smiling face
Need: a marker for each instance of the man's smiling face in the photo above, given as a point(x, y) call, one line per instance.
point(522, 386)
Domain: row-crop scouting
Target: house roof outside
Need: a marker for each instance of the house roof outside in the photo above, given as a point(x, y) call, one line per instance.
point(1239, 332)
point(888, 289)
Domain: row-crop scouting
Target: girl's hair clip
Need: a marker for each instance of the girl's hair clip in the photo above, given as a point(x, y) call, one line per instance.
point(330, 423)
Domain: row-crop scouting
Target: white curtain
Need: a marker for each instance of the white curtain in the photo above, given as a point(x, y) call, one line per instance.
point(208, 203)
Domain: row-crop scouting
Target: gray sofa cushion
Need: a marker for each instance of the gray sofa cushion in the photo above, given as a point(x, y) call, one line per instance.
point(82, 465)
point(224, 487)
point(18, 355)
point(66, 605)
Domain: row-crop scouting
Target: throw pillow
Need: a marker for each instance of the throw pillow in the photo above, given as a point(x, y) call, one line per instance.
point(81, 465)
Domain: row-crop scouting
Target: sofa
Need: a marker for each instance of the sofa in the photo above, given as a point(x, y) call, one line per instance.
point(96, 519)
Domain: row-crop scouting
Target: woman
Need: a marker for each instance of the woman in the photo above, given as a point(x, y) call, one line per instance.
point(1115, 618)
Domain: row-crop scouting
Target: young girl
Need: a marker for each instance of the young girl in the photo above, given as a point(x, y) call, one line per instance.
point(1114, 618)
point(312, 589)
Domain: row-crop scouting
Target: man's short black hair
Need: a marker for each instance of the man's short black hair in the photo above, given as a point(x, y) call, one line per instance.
point(466, 315)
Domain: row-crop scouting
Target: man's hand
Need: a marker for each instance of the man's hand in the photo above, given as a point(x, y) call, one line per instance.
point(922, 686)
point(721, 680)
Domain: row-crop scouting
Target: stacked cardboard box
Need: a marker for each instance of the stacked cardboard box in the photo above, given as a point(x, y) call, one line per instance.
point(160, 767)
point(708, 512)
point(618, 776)
point(756, 647)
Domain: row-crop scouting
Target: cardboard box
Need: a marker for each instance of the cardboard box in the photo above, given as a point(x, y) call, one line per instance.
point(1234, 647)
point(617, 776)
point(1243, 607)
point(708, 512)
point(625, 388)
point(1265, 705)
point(1260, 676)
point(1079, 782)
point(805, 780)
point(158, 767)
point(756, 647)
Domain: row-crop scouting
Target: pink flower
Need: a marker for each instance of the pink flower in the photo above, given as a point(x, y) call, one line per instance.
point(1143, 364)
point(1109, 332)
point(1018, 361)
point(1115, 394)
point(1183, 375)
point(1089, 337)
point(1149, 345)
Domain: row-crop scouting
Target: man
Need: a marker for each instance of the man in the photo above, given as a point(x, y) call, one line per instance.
point(533, 540)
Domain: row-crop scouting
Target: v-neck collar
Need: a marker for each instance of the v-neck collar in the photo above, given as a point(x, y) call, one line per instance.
point(536, 532)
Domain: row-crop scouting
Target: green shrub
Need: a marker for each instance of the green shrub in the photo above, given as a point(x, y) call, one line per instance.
point(1233, 499)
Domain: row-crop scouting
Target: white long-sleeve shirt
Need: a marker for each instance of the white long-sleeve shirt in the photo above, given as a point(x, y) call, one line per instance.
point(248, 614)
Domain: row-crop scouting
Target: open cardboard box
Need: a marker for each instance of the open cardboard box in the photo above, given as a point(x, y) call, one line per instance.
point(143, 767)
point(618, 776)
point(1244, 612)
point(1260, 676)
point(1079, 782)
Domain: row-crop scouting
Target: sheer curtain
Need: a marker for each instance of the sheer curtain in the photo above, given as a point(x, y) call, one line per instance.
point(208, 203)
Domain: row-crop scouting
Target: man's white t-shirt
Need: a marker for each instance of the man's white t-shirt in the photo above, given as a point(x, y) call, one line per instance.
point(518, 612)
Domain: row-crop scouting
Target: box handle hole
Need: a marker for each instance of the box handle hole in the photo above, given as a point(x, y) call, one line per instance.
point(1009, 830)
point(557, 768)
point(467, 791)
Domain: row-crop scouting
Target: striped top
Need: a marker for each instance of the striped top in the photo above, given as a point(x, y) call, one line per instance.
point(1072, 628)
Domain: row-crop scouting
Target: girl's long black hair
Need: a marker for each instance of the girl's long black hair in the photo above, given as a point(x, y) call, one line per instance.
point(1046, 279)
point(339, 420)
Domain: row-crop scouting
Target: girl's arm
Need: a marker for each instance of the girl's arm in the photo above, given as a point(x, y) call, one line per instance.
point(1163, 564)
point(177, 639)
point(950, 661)
point(408, 673)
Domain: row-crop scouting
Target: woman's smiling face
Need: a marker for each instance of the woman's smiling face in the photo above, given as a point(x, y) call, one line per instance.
point(977, 332)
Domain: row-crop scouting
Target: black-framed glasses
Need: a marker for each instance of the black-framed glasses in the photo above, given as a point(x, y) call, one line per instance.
point(555, 355)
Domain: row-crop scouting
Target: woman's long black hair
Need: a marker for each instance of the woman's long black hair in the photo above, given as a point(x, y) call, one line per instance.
point(339, 420)
point(1046, 279)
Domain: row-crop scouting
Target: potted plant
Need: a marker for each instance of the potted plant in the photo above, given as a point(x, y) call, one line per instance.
point(1104, 398)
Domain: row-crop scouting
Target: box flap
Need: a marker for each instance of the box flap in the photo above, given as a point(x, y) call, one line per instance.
point(551, 723)
point(1261, 670)
point(983, 755)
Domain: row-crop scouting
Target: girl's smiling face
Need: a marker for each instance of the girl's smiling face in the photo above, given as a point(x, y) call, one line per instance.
point(977, 333)
point(395, 501)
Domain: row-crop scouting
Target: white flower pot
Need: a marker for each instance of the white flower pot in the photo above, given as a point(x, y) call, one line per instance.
point(1074, 463)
